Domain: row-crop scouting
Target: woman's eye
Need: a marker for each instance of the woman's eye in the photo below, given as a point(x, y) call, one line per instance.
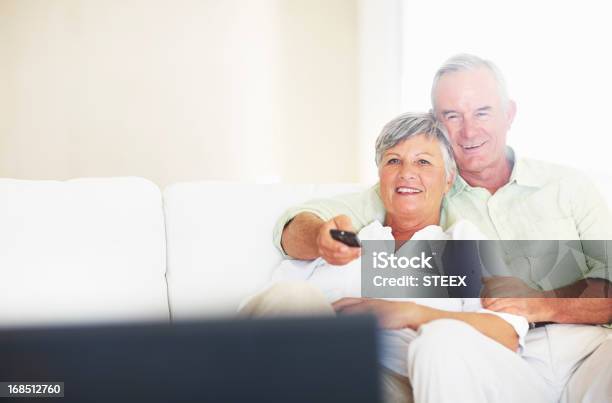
point(393, 161)
point(424, 162)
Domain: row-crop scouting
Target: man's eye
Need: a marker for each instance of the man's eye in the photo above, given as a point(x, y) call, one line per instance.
point(393, 161)
point(482, 114)
point(452, 117)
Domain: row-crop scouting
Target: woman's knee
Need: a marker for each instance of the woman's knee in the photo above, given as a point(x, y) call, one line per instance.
point(288, 299)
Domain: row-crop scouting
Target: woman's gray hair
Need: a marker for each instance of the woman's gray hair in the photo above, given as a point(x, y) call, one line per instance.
point(413, 124)
point(463, 62)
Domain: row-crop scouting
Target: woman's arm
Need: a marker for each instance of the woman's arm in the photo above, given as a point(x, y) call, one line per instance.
point(490, 325)
point(401, 315)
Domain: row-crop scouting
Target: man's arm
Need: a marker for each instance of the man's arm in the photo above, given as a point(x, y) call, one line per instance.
point(299, 239)
point(587, 301)
point(307, 237)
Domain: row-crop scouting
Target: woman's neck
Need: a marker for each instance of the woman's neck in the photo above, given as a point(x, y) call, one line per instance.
point(403, 228)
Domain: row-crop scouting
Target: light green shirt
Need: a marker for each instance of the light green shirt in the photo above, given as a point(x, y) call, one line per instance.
point(541, 201)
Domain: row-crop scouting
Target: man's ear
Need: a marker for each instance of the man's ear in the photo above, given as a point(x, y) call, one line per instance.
point(510, 113)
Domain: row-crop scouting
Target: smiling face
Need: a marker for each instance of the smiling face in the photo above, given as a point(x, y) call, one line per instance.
point(413, 179)
point(469, 105)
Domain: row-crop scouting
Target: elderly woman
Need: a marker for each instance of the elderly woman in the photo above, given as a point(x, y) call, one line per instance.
point(416, 169)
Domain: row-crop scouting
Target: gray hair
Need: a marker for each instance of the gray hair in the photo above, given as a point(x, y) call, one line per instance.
point(463, 62)
point(413, 124)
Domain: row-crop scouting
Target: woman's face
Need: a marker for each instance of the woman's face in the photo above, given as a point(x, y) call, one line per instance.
point(412, 178)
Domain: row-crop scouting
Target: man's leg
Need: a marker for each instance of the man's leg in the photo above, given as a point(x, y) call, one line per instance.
point(557, 351)
point(450, 361)
point(592, 382)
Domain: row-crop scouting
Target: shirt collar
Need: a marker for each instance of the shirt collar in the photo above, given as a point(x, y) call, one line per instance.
point(521, 174)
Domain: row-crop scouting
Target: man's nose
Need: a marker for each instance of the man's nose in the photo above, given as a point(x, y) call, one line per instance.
point(468, 129)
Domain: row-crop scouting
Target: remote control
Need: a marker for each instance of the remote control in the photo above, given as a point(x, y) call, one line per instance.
point(346, 237)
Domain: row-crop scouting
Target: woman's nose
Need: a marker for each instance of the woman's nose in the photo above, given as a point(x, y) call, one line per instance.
point(408, 172)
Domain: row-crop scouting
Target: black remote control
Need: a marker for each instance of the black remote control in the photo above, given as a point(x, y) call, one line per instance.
point(346, 237)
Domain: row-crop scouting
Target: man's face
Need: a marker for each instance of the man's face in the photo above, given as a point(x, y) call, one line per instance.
point(469, 105)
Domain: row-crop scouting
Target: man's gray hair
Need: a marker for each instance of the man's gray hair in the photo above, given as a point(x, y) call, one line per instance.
point(463, 62)
point(413, 124)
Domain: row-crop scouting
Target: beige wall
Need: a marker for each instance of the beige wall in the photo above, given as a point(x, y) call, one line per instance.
point(179, 90)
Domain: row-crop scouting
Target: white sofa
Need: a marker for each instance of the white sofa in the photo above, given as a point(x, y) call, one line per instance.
point(109, 250)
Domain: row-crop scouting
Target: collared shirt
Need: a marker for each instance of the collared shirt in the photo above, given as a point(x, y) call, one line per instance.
point(541, 201)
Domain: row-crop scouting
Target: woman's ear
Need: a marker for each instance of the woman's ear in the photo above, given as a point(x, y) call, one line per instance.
point(449, 182)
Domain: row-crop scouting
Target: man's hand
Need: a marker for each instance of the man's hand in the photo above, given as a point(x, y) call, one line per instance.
point(586, 301)
point(513, 295)
point(532, 309)
point(335, 252)
point(510, 287)
point(390, 314)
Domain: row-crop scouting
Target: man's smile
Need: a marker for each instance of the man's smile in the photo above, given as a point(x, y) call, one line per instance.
point(407, 190)
point(472, 147)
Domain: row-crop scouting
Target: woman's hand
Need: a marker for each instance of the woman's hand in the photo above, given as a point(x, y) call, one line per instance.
point(390, 314)
point(335, 252)
point(405, 314)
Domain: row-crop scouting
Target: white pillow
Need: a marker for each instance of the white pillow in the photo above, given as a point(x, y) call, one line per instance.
point(85, 250)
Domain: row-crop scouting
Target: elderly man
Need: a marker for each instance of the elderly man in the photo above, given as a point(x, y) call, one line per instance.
point(507, 198)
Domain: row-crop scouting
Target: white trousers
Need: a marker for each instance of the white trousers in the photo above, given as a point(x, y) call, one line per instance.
point(575, 361)
point(450, 361)
point(592, 381)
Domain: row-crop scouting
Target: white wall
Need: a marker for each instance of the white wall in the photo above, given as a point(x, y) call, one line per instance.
point(179, 90)
point(380, 75)
point(556, 59)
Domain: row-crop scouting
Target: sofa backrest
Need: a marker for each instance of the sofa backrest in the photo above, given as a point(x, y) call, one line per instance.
point(98, 249)
point(219, 239)
point(87, 250)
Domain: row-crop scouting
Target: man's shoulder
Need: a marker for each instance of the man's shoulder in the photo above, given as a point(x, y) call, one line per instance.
point(566, 184)
point(546, 170)
point(542, 173)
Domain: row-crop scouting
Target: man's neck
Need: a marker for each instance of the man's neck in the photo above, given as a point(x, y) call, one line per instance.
point(491, 178)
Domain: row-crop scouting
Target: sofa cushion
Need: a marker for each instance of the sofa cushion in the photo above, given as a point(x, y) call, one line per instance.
point(219, 239)
point(85, 250)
